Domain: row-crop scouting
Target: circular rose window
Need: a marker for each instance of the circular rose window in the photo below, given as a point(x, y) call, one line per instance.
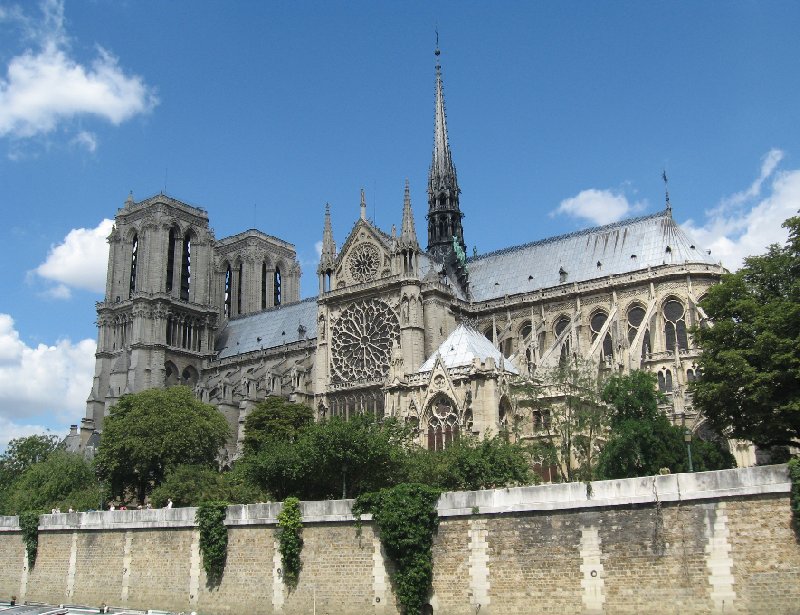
point(361, 344)
point(364, 261)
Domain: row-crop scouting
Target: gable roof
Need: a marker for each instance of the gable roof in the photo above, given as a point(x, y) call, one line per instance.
point(622, 247)
point(268, 329)
point(462, 347)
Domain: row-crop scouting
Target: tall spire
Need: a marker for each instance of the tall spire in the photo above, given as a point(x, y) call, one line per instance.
point(328, 255)
point(444, 214)
point(408, 234)
point(666, 191)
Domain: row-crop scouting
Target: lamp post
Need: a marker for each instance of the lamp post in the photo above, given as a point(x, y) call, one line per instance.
point(687, 437)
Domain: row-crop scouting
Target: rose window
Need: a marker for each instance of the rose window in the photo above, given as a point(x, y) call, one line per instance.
point(364, 262)
point(362, 339)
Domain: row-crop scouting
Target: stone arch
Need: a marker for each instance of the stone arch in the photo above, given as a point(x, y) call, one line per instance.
point(673, 312)
point(189, 376)
point(441, 422)
point(171, 374)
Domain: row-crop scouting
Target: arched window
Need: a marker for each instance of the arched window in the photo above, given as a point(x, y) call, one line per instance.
point(635, 317)
point(561, 325)
point(668, 378)
point(239, 289)
point(526, 329)
point(227, 298)
point(675, 326)
point(186, 267)
point(662, 383)
point(170, 260)
point(263, 286)
point(277, 296)
point(596, 324)
point(134, 262)
point(442, 424)
point(690, 375)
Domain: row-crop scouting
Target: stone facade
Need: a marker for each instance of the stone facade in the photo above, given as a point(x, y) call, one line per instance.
point(224, 316)
point(712, 542)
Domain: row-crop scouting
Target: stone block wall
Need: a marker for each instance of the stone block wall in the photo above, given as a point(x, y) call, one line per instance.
point(714, 542)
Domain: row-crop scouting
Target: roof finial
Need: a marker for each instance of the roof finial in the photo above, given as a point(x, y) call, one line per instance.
point(363, 206)
point(666, 190)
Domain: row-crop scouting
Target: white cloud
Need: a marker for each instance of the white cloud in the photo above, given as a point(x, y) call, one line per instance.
point(745, 223)
point(46, 86)
point(597, 206)
point(80, 261)
point(86, 140)
point(318, 249)
point(10, 431)
point(42, 384)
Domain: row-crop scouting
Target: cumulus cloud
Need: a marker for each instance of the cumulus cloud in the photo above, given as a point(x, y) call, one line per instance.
point(45, 384)
point(79, 261)
point(597, 206)
point(10, 431)
point(45, 86)
point(748, 221)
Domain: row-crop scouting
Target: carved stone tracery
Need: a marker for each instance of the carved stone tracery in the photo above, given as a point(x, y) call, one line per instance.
point(361, 341)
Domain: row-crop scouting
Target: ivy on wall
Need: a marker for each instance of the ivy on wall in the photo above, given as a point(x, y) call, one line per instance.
point(407, 520)
point(290, 540)
point(29, 524)
point(210, 518)
point(794, 476)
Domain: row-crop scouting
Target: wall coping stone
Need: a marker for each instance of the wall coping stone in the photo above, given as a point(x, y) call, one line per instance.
point(562, 496)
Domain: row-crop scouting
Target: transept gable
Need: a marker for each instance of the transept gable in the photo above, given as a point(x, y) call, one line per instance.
point(364, 257)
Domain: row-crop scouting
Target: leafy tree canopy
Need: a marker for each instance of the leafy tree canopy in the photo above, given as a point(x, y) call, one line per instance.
point(643, 440)
point(191, 485)
point(632, 396)
point(749, 385)
point(274, 419)
point(62, 480)
point(151, 432)
point(331, 458)
point(470, 464)
point(22, 453)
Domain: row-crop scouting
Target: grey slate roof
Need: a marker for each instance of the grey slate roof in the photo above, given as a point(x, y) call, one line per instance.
point(464, 345)
point(268, 329)
point(618, 248)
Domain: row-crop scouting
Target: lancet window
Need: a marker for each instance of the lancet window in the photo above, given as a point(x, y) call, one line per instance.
point(239, 289)
point(186, 267)
point(365, 401)
point(675, 326)
point(636, 315)
point(134, 264)
point(170, 272)
point(442, 424)
point(561, 325)
point(277, 288)
point(227, 296)
point(596, 324)
point(263, 286)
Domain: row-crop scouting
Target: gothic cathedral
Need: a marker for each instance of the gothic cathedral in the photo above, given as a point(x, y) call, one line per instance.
point(430, 335)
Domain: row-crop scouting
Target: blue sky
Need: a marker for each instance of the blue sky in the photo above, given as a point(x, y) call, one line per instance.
point(561, 115)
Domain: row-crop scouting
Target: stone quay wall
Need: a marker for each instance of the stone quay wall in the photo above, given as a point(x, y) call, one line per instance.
point(710, 542)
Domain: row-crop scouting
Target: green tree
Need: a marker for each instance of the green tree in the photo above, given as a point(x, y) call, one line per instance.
point(471, 464)
point(22, 453)
point(571, 414)
point(191, 485)
point(274, 419)
point(642, 439)
point(749, 384)
point(332, 459)
point(62, 480)
point(149, 433)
